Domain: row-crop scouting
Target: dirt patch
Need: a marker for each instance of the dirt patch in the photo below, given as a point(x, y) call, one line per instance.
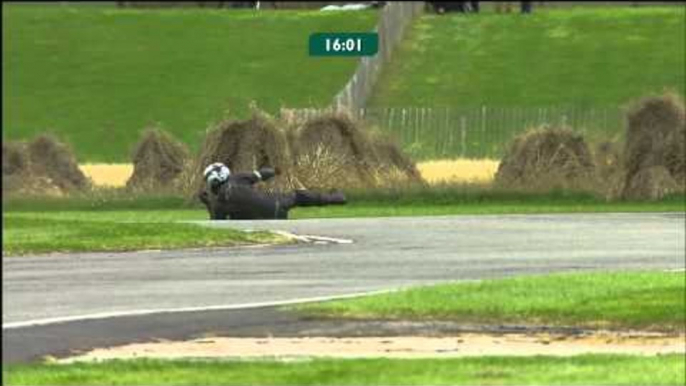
point(655, 149)
point(460, 345)
point(114, 175)
point(546, 158)
point(459, 170)
point(158, 160)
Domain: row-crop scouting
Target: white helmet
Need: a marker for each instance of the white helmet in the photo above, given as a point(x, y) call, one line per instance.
point(216, 173)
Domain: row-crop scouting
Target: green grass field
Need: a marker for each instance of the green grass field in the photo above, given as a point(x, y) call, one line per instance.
point(88, 73)
point(94, 74)
point(624, 300)
point(538, 370)
point(587, 57)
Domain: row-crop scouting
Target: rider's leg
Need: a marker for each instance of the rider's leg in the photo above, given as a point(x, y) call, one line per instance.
point(310, 198)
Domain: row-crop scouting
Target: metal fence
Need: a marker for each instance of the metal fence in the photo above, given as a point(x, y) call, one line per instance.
point(394, 19)
point(479, 132)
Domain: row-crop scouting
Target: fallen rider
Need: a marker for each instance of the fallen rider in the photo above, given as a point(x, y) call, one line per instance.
point(235, 196)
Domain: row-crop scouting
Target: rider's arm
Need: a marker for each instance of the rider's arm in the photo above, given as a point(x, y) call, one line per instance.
point(265, 174)
point(256, 176)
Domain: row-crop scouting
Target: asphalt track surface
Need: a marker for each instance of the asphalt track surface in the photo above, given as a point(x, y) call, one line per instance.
point(61, 302)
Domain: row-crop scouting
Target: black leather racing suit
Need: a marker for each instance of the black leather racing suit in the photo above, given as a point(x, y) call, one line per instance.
point(239, 200)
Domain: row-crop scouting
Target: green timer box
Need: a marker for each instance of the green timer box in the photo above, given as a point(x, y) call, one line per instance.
point(344, 44)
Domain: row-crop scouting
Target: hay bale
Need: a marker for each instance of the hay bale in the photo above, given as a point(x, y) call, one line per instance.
point(324, 168)
point(330, 150)
point(675, 156)
point(337, 131)
point(655, 138)
point(608, 158)
point(158, 160)
point(651, 183)
point(15, 159)
point(394, 161)
point(609, 168)
point(546, 158)
point(243, 146)
point(322, 152)
point(43, 168)
point(654, 123)
point(53, 159)
point(360, 159)
point(15, 166)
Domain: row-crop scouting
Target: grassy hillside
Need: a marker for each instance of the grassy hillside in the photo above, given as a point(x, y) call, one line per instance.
point(472, 82)
point(97, 76)
point(586, 57)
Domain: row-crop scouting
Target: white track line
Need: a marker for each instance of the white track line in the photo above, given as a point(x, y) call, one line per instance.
point(313, 239)
point(106, 315)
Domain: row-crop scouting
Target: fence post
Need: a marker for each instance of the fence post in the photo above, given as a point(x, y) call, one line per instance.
point(463, 125)
point(395, 18)
point(483, 119)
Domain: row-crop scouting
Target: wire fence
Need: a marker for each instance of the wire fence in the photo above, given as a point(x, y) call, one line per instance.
point(480, 132)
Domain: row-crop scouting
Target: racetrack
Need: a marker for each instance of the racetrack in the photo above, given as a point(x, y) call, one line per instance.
point(386, 253)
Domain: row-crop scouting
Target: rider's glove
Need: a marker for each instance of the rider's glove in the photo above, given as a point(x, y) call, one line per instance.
point(265, 174)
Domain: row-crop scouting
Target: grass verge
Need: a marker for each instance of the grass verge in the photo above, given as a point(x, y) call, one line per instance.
point(634, 300)
point(440, 199)
point(354, 210)
point(23, 235)
point(110, 220)
point(456, 199)
point(577, 370)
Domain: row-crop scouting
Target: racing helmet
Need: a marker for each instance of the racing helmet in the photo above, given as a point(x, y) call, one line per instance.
point(216, 174)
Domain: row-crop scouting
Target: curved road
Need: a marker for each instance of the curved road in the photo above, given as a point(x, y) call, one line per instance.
point(385, 253)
